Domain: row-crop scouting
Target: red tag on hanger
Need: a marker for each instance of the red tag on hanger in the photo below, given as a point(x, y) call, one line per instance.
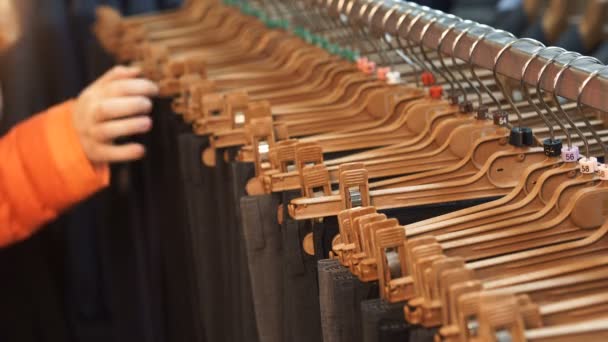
point(428, 79)
point(382, 72)
point(436, 92)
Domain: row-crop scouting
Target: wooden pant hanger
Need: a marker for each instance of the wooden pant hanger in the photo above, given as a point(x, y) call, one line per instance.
point(303, 208)
point(468, 253)
point(582, 301)
point(589, 221)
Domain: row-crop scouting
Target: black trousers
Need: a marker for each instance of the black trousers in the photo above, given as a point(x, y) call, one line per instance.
point(264, 248)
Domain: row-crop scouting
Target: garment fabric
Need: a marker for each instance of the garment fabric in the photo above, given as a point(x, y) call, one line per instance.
point(340, 296)
point(88, 269)
point(300, 291)
point(264, 248)
point(383, 321)
point(341, 293)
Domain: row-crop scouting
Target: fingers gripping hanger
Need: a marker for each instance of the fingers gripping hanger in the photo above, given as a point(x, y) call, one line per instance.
point(519, 135)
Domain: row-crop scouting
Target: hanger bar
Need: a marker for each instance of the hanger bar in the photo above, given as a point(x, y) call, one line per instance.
point(512, 61)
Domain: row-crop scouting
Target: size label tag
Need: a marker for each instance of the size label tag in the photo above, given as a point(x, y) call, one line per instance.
point(570, 154)
point(239, 119)
point(393, 77)
point(603, 171)
point(588, 165)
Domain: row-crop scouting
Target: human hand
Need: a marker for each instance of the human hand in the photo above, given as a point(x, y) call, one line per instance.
point(10, 29)
point(114, 106)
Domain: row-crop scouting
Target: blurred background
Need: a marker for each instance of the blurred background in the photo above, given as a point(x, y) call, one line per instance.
point(88, 277)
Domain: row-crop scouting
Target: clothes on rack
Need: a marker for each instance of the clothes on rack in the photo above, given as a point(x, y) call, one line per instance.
point(317, 195)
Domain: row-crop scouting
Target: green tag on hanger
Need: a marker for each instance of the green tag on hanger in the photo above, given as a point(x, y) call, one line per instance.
point(244, 7)
point(350, 55)
point(308, 37)
point(273, 23)
point(258, 14)
point(324, 43)
point(334, 49)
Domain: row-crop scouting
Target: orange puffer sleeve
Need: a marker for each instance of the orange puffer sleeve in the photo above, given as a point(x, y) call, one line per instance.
point(43, 171)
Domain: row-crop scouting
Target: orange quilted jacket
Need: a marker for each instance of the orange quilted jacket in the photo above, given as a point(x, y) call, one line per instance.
point(43, 171)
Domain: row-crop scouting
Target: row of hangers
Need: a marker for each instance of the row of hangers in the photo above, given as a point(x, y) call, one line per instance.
point(528, 266)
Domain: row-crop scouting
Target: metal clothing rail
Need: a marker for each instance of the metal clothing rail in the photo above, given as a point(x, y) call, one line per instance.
point(512, 60)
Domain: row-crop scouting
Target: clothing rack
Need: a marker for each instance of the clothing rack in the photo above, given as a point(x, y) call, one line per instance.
point(512, 61)
point(427, 183)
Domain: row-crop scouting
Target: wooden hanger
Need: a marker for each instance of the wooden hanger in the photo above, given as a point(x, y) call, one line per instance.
point(509, 315)
point(515, 194)
point(421, 123)
point(427, 260)
point(589, 221)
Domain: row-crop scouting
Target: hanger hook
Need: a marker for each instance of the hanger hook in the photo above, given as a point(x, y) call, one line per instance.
point(385, 18)
point(413, 61)
point(495, 73)
point(470, 24)
point(423, 33)
point(409, 41)
point(436, 16)
point(370, 19)
point(526, 92)
point(472, 51)
point(444, 34)
point(556, 82)
point(541, 76)
point(581, 90)
point(410, 47)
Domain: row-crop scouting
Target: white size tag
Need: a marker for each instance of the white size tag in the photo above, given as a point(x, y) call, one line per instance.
point(588, 165)
point(602, 171)
point(393, 77)
point(570, 154)
point(239, 118)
